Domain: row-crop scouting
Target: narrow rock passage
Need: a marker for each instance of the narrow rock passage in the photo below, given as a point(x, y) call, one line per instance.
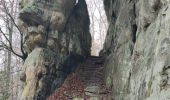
point(86, 83)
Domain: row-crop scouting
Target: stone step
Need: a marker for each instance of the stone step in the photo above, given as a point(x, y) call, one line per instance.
point(91, 66)
point(95, 61)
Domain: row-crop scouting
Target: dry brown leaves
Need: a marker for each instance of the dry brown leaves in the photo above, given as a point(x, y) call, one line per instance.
point(72, 88)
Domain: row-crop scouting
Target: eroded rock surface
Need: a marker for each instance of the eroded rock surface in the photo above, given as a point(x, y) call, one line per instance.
point(137, 49)
point(57, 37)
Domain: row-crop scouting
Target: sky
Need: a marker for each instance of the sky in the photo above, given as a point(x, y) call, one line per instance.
point(98, 26)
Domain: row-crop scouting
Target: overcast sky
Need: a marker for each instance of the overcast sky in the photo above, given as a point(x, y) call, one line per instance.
point(100, 25)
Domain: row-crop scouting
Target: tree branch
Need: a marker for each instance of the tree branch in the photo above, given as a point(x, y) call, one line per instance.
point(21, 34)
point(6, 11)
point(9, 48)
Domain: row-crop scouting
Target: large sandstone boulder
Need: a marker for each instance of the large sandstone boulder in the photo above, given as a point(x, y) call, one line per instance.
point(56, 37)
point(40, 70)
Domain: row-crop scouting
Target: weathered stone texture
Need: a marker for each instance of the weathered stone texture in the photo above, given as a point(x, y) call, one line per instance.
point(57, 37)
point(137, 49)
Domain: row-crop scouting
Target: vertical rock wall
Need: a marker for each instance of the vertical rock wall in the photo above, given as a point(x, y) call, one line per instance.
point(137, 49)
point(56, 38)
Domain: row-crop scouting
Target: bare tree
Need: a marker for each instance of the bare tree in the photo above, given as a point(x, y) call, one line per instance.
point(98, 25)
point(9, 19)
point(8, 32)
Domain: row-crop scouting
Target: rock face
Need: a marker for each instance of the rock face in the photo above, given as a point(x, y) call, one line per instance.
point(56, 38)
point(137, 49)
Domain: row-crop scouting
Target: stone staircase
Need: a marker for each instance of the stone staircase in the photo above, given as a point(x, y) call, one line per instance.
point(86, 83)
point(91, 71)
point(91, 74)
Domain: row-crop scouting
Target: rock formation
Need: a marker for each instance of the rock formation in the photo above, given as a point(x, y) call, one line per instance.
point(137, 49)
point(56, 37)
